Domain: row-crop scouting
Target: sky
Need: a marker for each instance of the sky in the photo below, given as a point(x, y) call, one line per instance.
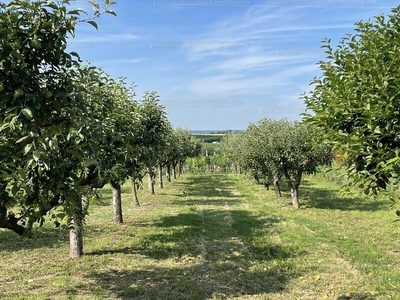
point(220, 64)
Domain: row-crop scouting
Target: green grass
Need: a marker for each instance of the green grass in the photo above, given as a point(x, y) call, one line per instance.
point(215, 237)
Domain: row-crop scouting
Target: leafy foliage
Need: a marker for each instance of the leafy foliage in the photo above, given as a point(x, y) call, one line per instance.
point(43, 113)
point(272, 149)
point(356, 101)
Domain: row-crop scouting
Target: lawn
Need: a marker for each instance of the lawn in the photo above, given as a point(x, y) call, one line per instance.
point(215, 236)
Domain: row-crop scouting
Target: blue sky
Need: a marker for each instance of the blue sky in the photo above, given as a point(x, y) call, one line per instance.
point(221, 64)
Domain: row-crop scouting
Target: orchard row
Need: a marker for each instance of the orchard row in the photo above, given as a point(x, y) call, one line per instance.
point(68, 128)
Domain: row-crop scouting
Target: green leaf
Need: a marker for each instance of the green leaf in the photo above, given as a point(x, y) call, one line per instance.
point(16, 54)
point(94, 24)
point(27, 113)
point(74, 54)
point(77, 11)
point(27, 148)
point(89, 162)
point(36, 155)
point(22, 139)
point(111, 12)
point(61, 215)
point(51, 5)
point(14, 190)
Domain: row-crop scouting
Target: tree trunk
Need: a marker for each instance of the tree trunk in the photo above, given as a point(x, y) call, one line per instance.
point(117, 202)
point(174, 171)
point(179, 169)
point(266, 183)
point(75, 237)
point(256, 178)
point(150, 183)
point(85, 204)
point(134, 192)
point(294, 192)
point(294, 187)
point(160, 177)
point(76, 231)
point(168, 173)
point(277, 188)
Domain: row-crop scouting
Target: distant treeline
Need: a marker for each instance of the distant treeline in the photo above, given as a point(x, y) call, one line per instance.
point(202, 132)
point(209, 138)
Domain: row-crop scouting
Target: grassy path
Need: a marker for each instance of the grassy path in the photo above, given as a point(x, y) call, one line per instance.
point(214, 237)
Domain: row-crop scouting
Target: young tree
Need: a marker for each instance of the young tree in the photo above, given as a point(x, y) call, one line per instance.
point(120, 127)
point(151, 140)
point(292, 151)
point(356, 101)
point(271, 148)
point(186, 146)
point(232, 146)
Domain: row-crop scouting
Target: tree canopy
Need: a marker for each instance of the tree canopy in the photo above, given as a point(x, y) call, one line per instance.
point(65, 127)
point(272, 149)
point(356, 101)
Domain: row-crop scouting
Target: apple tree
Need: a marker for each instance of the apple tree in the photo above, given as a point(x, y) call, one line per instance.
point(43, 140)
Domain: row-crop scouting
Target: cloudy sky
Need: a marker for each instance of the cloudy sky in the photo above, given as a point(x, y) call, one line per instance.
point(220, 64)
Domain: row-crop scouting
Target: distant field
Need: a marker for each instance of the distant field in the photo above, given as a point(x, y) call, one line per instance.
point(210, 142)
point(215, 237)
point(209, 138)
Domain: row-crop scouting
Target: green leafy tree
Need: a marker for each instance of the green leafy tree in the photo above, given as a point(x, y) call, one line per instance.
point(275, 149)
point(356, 101)
point(292, 151)
point(257, 154)
point(232, 146)
point(187, 146)
point(151, 141)
point(43, 141)
point(117, 117)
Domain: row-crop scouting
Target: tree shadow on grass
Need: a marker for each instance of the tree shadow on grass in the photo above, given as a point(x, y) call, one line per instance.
point(204, 202)
point(211, 185)
point(357, 296)
point(312, 196)
point(187, 283)
point(42, 237)
point(230, 250)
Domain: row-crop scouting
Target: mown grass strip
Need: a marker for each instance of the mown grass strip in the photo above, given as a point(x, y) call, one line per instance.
point(214, 236)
